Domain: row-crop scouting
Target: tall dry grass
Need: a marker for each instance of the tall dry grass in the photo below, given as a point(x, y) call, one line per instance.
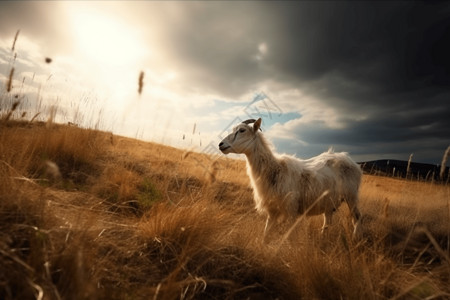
point(15, 40)
point(10, 80)
point(28, 148)
point(443, 163)
point(139, 220)
point(141, 82)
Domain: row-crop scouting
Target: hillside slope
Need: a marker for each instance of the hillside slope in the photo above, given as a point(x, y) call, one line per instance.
point(399, 168)
point(86, 214)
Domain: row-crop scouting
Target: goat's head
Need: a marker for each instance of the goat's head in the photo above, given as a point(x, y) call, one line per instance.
point(242, 137)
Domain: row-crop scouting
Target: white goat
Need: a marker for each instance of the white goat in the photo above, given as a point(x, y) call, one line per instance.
point(285, 186)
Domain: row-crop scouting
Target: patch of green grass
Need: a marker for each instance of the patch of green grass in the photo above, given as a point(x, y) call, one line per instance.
point(148, 194)
point(423, 290)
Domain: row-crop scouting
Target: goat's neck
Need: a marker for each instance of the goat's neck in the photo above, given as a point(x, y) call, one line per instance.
point(260, 157)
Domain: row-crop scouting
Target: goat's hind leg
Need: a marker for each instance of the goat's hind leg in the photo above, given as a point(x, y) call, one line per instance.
point(356, 217)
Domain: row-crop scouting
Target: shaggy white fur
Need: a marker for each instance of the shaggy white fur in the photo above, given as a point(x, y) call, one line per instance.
point(285, 186)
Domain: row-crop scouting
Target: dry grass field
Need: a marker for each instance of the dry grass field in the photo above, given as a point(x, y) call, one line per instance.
point(88, 215)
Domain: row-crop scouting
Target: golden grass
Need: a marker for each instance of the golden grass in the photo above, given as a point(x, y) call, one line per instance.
point(444, 161)
point(15, 40)
point(136, 220)
point(10, 80)
point(141, 82)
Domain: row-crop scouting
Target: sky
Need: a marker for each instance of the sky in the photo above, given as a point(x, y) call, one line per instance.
point(368, 78)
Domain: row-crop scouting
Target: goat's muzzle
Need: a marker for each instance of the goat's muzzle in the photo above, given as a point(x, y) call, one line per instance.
point(223, 147)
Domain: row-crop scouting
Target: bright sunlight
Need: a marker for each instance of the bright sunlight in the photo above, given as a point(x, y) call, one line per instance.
point(104, 40)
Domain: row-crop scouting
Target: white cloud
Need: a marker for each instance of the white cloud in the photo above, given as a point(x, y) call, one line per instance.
point(262, 51)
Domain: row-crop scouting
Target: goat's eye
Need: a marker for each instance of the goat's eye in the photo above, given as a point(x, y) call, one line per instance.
point(242, 130)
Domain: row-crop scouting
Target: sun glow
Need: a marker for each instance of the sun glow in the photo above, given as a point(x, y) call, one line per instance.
point(104, 39)
point(108, 51)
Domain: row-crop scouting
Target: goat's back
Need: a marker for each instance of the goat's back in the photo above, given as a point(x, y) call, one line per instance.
point(328, 170)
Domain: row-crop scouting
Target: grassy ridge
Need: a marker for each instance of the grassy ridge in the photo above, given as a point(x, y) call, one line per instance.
point(85, 214)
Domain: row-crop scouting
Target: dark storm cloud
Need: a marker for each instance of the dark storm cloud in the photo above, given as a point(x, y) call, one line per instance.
point(390, 46)
point(385, 61)
point(384, 50)
point(35, 19)
point(216, 43)
point(382, 66)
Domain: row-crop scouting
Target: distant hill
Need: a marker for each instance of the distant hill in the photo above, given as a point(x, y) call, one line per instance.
point(398, 168)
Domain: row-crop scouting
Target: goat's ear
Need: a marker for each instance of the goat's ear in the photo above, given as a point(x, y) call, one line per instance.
point(257, 125)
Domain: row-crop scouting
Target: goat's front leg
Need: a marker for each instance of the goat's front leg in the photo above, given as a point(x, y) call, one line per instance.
point(327, 218)
point(267, 228)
